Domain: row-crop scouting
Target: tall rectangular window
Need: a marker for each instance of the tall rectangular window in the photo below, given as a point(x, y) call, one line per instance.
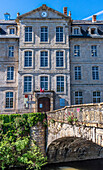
point(44, 59)
point(10, 73)
point(59, 59)
point(60, 83)
point(78, 73)
point(28, 34)
point(44, 34)
point(78, 97)
point(59, 34)
point(76, 50)
point(28, 59)
point(11, 51)
point(9, 100)
point(94, 50)
point(44, 82)
point(95, 73)
point(27, 84)
point(96, 97)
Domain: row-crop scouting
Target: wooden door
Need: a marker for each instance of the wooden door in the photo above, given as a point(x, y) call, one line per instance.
point(43, 104)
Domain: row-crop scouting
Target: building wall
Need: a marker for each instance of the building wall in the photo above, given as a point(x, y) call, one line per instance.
point(51, 46)
point(5, 62)
point(86, 85)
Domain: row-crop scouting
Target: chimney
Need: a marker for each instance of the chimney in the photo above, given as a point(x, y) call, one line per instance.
point(44, 6)
point(94, 18)
point(18, 14)
point(65, 10)
point(7, 16)
point(69, 13)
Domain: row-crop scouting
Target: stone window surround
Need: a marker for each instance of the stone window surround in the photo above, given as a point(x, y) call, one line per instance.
point(64, 83)
point(98, 73)
point(44, 42)
point(94, 27)
point(25, 75)
point(75, 96)
point(48, 58)
point(23, 52)
point(14, 98)
point(12, 28)
point(64, 58)
point(76, 27)
point(46, 75)
point(10, 81)
point(64, 41)
point(23, 33)
point(8, 50)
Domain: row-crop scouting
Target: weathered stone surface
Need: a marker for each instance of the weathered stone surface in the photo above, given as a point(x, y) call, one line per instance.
point(73, 149)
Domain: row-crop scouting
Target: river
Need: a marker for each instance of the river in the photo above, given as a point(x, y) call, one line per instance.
point(80, 165)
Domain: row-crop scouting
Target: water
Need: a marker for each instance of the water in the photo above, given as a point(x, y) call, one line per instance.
point(80, 165)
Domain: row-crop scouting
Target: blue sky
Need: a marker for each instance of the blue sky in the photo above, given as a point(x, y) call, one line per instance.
point(79, 8)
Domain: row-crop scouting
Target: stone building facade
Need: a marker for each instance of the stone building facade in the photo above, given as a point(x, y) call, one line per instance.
point(45, 57)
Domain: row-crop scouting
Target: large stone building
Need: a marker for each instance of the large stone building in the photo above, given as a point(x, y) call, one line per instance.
point(45, 49)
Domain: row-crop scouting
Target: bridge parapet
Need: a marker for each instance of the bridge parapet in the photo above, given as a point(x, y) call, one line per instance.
point(87, 113)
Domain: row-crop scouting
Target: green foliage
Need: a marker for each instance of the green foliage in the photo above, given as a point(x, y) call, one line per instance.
point(15, 147)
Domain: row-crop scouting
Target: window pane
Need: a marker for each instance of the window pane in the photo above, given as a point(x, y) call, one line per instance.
point(27, 84)
point(9, 100)
point(28, 34)
point(59, 34)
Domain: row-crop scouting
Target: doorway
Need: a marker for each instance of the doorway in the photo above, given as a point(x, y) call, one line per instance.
point(43, 104)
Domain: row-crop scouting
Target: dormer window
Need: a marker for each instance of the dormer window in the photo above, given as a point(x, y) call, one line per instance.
point(12, 31)
point(76, 31)
point(93, 31)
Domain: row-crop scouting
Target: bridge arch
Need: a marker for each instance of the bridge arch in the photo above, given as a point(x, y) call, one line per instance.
point(67, 149)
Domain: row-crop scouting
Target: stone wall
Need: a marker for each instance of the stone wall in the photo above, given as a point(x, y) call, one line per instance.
point(38, 135)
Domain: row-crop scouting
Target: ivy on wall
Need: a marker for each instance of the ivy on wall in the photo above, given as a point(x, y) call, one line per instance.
point(15, 148)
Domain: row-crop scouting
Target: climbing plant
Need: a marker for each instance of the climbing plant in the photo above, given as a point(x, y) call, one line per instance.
point(15, 148)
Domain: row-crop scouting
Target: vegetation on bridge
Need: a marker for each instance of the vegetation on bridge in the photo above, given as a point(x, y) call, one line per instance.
point(15, 148)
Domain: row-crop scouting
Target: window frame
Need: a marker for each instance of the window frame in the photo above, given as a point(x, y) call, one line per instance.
point(44, 26)
point(77, 73)
point(44, 75)
point(93, 27)
point(79, 30)
point(13, 100)
point(60, 58)
point(28, 92)
point(78, 97)
point(12, 51)
point(59, 34)
point(44, 59)
point(28, 56)
point(95, 73)
point(44, 82)
point(10, 29)
point(28, 42)
point(10, 72)
point(96, 97)
point(94, 51)
point(76, 50)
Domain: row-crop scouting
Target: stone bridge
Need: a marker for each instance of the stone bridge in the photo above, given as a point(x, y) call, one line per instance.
point(80, 140)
